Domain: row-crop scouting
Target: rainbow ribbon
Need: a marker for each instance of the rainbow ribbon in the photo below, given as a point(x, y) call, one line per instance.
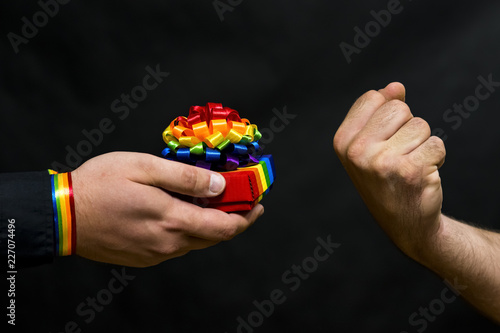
point(213, 137)
point(217, 138)
point(63, 205)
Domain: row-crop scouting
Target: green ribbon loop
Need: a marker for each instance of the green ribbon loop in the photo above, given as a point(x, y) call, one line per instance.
point(174, 144)
point(198, 149)
point(223, 145)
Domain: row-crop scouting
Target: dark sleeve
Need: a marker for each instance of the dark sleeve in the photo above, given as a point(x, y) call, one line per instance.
point(27, 199)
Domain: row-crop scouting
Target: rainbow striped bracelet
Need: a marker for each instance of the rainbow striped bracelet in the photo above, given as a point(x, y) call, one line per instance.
point(63, 205)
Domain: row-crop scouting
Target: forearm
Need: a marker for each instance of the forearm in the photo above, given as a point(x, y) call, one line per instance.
point(468, 256)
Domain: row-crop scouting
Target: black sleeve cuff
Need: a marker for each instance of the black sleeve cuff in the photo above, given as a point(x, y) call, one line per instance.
point(27, 199)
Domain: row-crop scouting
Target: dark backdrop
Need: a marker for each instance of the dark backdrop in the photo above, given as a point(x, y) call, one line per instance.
point(264, 55)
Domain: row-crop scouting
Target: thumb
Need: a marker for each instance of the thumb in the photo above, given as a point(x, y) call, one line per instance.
point(182, 178)
point(394, 90)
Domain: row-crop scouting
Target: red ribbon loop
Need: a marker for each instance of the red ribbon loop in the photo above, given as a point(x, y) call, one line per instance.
point(211, 111)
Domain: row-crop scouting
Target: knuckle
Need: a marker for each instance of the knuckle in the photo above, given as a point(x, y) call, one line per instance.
point(190, 178)
point(409, 173)
point(228, 231)
point(399, 106)
point(174, 226)
point(369, 97)
point(395, 169)
point(434, 178)
point(382, 165)
point(146, 165)
point(166, 250)
point(356, 151)
point(421, 125)
point(373, 95)
point(337, 140)
point(437, 144)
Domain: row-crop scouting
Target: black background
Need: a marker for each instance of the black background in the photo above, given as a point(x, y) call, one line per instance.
point(263, 55)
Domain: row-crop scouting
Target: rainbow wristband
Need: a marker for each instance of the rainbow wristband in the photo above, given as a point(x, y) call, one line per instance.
point(64, 213)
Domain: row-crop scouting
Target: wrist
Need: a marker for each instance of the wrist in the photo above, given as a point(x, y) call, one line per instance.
point(431, 246)
point(64, 214)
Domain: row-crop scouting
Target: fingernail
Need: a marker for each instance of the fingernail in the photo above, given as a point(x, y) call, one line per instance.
point(217, 183)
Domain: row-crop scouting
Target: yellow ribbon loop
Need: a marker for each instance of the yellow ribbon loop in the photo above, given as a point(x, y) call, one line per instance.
point(189, 141)
point(167, 135)
point(234, 136)
point(214, 140)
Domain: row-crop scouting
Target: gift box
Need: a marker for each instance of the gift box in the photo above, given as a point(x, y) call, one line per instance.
point(216, 137)
point(245, 187)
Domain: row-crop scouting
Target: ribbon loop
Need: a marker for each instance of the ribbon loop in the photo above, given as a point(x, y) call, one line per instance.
point(184, 155)
point(212, 155)
point(197, 114)
point(213, 137)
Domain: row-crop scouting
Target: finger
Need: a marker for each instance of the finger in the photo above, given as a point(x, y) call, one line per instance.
point(170, 245)
point(386, 121)
point(211, 224)
point(184, 245)
point(356, 119)
point(195, 243)
point(253, 214)
point(394, 90)
point(410, 136)
point(432, 152)
point(179, 177)
point(361, 112)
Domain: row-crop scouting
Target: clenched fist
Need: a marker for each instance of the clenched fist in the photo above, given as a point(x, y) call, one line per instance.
point(393, 161)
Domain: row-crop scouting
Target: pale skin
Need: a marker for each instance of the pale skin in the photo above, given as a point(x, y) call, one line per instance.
point(128, 213)
point(394, 163)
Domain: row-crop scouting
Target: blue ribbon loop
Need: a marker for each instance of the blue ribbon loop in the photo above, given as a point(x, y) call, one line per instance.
point(230, 158)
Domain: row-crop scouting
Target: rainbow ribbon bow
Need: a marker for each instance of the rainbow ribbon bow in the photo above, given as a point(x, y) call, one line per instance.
point(213, 137)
